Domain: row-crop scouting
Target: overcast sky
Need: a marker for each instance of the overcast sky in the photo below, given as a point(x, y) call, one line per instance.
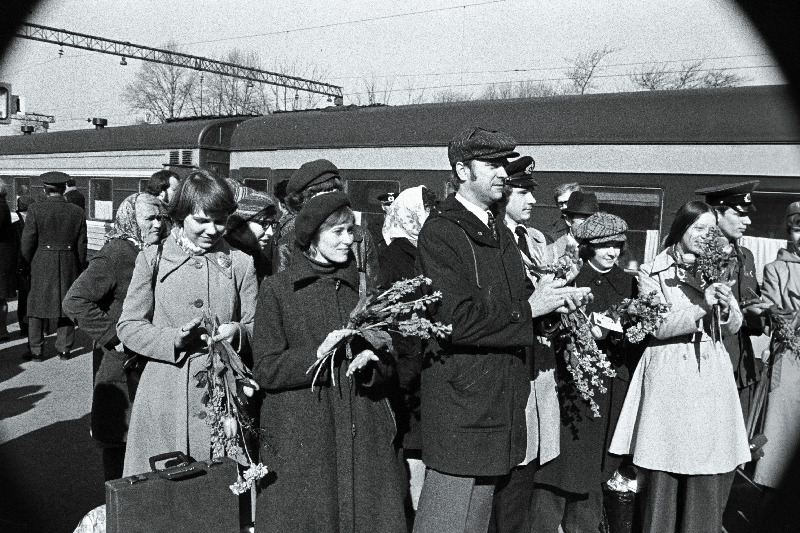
point(413, 45)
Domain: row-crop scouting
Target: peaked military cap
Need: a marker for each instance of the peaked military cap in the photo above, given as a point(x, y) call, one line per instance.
point(735, 195)
point(793, 209)
point(478, 143)
point(311, 173)
point(520, 173)
point(386, 198)
point(54, 178)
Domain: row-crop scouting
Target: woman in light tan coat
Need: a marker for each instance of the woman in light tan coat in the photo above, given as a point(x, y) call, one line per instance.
point(197, 272)
point(681, 419)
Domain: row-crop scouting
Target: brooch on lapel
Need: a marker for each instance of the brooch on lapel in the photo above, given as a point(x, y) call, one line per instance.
point(224, 261)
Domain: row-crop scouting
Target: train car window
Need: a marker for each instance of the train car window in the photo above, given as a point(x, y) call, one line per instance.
point(101, 199)
point(641, 208)
point(768, 220)
point(364, 193)
point(259, 184)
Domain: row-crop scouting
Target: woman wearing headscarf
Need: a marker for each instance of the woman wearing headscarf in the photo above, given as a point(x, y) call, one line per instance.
point(404, 220)
point(331, 449)
point(94, 302)
point(568, 490)
point(197, 275)
point(682, 421)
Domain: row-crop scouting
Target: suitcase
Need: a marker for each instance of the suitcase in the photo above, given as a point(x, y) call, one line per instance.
point(190, 497)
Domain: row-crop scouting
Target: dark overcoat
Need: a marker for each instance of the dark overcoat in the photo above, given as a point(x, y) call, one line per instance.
point(54, 243)
point(474, 389)
point(333, 463)
point(94, 302)
point(397, 262)
point(583, 463)
point(8, 253)
point(746, 368)
point(75, 197)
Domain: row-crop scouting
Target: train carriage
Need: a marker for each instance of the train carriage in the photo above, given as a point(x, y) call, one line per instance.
point(109, 164)
point(642, 153)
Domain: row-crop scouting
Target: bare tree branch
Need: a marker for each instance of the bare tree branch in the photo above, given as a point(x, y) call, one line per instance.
point(583, 68)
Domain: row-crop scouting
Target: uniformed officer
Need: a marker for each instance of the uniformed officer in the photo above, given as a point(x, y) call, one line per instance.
point(386, 200)
point(54, 244)
point(733, 204)
point(518, 201)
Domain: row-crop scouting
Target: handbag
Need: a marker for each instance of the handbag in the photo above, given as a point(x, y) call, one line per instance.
point(190, 496)
point(134, 363)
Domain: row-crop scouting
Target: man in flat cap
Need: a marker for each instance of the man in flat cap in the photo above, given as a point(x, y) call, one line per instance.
point(475, 387)
point(733, 204)
point(318, 177)
point(54, 244)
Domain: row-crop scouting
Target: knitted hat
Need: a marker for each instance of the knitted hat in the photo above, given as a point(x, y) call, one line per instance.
point(602, 227)
point(315, 211)
point(249, 203)
point(311, 173)
point(478, 143)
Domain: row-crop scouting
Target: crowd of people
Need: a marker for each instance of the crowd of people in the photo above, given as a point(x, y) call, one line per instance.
point(489, 421)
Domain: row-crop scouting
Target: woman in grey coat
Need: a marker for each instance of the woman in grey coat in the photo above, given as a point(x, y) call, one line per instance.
point(197, 273)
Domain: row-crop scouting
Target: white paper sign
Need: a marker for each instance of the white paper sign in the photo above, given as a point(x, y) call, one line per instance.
point(606, 322)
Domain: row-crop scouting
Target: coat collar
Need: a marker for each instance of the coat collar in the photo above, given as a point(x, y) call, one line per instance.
point(664, 261)
point(55, 198)
point(301, 273)
point(616, 277)
point(173, 257)
point(455, 211)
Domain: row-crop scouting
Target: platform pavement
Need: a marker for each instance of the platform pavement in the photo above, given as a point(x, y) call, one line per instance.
point(50, 468)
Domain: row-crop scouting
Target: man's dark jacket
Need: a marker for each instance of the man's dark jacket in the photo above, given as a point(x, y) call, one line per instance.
point(54, 243)
point(475, 388)
point(75, 197)
point(746, 368)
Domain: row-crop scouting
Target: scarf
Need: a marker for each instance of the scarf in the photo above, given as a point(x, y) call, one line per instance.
point(125, 224)
point(405, 217)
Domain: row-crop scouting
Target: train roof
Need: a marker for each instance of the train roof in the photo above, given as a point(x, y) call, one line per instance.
point(207, 133)
point(760, 114)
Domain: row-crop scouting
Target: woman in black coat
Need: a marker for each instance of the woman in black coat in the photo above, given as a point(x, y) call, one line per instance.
point(329, 451)
point(94, 302)
point(568, 491)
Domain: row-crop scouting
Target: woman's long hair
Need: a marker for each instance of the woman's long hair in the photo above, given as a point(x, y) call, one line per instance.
point(685, 217)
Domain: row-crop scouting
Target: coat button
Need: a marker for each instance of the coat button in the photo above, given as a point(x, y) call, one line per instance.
point(198, 264)
point(516, 316)
point(198, 303)
point(598, 282)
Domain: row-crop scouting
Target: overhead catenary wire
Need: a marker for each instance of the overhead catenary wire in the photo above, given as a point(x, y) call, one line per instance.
point(346, 22)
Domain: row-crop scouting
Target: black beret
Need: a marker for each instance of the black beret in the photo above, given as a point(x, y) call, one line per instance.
point(735, 195)
point(520, 173)
point(310, 173)
point(478, 143)
point(315, 211)
point(54, 178)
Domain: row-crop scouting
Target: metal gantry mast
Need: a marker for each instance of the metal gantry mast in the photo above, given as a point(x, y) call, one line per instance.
point(46, 34)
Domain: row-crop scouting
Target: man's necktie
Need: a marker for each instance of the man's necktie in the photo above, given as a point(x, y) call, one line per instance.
point(492, 225)
point(522, 240)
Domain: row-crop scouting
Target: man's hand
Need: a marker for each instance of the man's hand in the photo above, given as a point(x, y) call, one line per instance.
point(551, 295)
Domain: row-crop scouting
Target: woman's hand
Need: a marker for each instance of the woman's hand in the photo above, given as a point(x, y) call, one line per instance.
point(711, 295)
point(333, 340)
point(228, 331)
point(723, 294)
point(188, 332)
point(360, 361)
